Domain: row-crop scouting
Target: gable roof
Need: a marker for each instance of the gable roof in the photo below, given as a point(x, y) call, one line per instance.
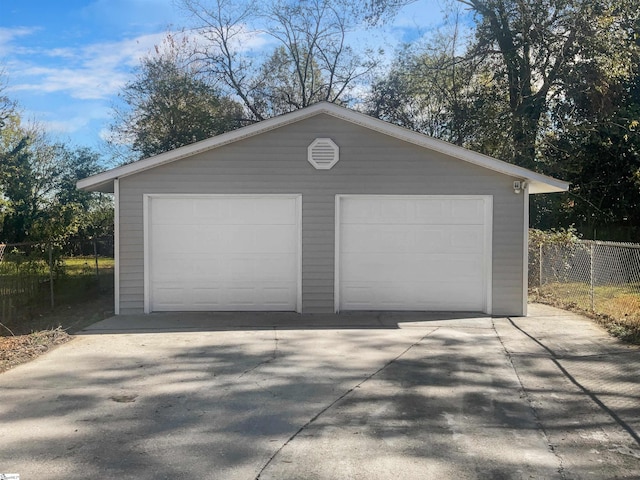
point(538, 183)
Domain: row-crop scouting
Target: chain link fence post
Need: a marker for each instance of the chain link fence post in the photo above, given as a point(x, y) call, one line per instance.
point(53, 303)
point(95, 256)
point(540, 266)
point(591, 275)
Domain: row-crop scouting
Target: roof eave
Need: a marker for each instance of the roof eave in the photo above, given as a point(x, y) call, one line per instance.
point(536, 187)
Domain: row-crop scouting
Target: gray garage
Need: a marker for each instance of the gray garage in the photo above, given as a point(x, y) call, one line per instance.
point(317, 211)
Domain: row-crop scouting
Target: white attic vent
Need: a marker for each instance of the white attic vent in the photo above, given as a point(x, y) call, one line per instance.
point(323, 153)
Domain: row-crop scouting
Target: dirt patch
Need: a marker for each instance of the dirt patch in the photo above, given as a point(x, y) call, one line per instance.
point(27, 338)
point(19, 349)
point(625, 327)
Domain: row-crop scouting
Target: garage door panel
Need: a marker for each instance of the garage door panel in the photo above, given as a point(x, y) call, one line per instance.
point(393, 210)
point(467, 239)
point(205, 297)
point(413, 253)
point(467, 211)
point(397, 267)
point(169, 297)
point(267, 239)
point(172, 212)
point(246, 297)
point(277, 295)
point(409, 296)
point(280, 239)
point(174, 267)
point(258, 239)
point(190, 297)
point(223, 253)
point(413, 210)
point(278, 268)
point(207, 210)
point(412, 238)
point(267, 212)
point(168, 237)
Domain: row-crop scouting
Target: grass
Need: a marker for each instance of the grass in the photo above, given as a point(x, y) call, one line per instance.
point(80, 296)
point(29, 326)
point(84, 265)
point(616, 307)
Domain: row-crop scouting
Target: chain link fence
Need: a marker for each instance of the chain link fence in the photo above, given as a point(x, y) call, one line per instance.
point(592, 276)
point(35, 278)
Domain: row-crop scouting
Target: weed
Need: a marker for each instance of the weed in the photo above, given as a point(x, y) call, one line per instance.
point(616, 308)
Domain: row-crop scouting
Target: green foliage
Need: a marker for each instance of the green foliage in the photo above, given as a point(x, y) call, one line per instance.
point(38, 186)
point(283, 86)
point(169, 106)
point(550, 85)
point(558, 247)
point(19, 262)
point(561, 237)
point(98, 220)
point(592, 137)
point(443, 95)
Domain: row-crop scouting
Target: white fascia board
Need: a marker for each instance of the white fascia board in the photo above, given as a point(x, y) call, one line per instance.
point(99, 180)
point(538, 183)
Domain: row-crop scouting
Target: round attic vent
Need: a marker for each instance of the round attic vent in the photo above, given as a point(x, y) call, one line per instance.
point(323, 153)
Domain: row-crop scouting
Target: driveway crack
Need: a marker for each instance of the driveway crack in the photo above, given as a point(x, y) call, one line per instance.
point(271, 358)
point(529, 401)
point(334, 402)
point(555, 359)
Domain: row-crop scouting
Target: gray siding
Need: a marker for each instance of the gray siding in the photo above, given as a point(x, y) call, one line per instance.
point(370, 163)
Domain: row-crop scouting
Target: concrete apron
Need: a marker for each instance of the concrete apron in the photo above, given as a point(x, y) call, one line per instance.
point(381, 399)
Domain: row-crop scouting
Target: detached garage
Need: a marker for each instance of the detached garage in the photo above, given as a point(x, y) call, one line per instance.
point(222, 252)
point(321, 210)
point(413, 253)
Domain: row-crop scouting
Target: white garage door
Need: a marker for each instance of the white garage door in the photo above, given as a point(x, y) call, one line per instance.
point(222, 253)
point(414, 253)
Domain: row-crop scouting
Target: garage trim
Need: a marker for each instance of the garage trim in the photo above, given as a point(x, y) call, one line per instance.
point(525, 252)
point(488, 235)
point(116, 246)
point(146, 200)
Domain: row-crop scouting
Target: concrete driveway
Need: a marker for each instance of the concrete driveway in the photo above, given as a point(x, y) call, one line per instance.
point(273, 396)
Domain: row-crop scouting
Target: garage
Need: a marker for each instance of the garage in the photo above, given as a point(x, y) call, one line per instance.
point(413, 253)
point(319, 211)
point(222, 253)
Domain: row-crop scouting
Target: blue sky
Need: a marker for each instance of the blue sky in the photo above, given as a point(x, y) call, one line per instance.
point(65, 61)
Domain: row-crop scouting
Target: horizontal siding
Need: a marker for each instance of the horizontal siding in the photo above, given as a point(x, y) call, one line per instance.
point(370, 163)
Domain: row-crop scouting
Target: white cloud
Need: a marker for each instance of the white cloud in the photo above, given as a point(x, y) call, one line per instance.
point(96, 71)
point(7, 35)
point(65, 126)
point(99, 70)
point(62, 84)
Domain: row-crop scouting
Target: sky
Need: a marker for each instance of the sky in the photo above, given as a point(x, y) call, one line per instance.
point(64, 61)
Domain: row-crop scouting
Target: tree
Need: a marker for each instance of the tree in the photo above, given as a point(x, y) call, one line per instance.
point(594, 141)
point(436, 89)
point(312, 60)
point(7, 111)
point(7, 106)
point(168, 106)
point(16, 181)
point(37, 181)
point(535, 45)
point(568, 70)
point(278, 88)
